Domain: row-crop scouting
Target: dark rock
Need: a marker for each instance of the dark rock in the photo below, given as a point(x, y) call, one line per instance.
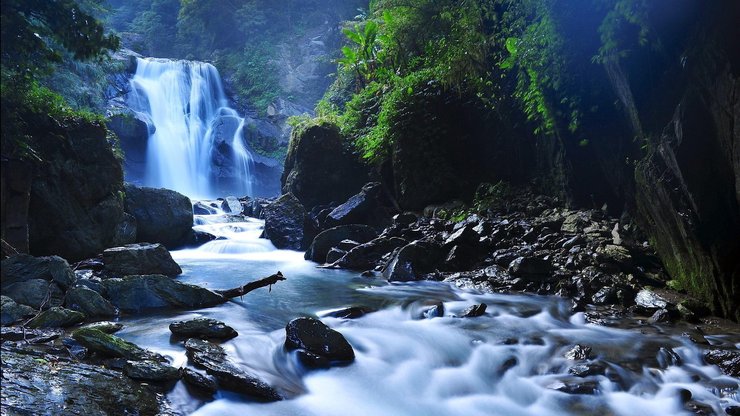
point(575, 387)
point(284, 222)
point(318, 167)
point(435, 311)
point(13, 312)
point(213, 359)
point(203, 328)
point(105, 326)
point(474, 311)
point(366, 207)
point(661, 316)
point(22, 267)
point(350, 312)
point(199, 208)
point(162, 215)
point(530, 267)
point(650, 300)
point(347, 245)
point(56, 317)
point(574, 241)
point(231, 205)
point(366, 255)
point(334, 255)
point(89, 302)
point(314, 337)
point(205, 383)
point(606, 296)
point(404, 219)
point(111, 345)
point(668, 357)
point(579, 352)
point(462, 257)
point(137, 293)
point(412, 260)
point(465, 236)
point(30, 335)
point(327, 239)
point(614, 254)
point(36, 293)
point(150, 371)
point(727, 360)
point(588, 369)
point(141, 258)
point(732, 410)
point(76, 204)
point(68, 387)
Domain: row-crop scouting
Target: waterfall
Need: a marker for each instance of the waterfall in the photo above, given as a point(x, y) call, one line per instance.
point(196, 147)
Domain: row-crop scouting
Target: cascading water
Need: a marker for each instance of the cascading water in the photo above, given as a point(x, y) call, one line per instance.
point(510, 361)
point(196, 147)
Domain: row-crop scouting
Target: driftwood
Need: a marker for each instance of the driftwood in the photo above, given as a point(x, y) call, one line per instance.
point(243, 290)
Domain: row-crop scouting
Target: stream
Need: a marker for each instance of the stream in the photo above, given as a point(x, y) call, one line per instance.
point(511, 361)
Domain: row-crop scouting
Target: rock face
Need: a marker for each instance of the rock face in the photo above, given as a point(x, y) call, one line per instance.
point(327, 239)
point(137, 293)
point(76, 199)
point(142, 258)
point(67, 387)
point(318, 168)
point(213, 359)
point(284, 222)
point(319, 345)
point(366, 207)
point(36, 293)
point(162, 215)
point(133, 130)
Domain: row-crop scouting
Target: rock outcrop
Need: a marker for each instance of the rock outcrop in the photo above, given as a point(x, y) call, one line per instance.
point(285, 219)
point(162, 215)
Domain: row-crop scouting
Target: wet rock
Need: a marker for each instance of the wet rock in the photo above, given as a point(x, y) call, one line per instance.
point(138, 293)
point(530, 267)
point(312, 336)
point(727, 360)
point(231, 205)
point(474, 311)
point(327, 239)
point(404, 219)
point(30, 335)
point(579, 352)
point(575, 387)
point(284, 222)
point(75, 348)
point(366, 207)
point(615, 254)
point(412, 260)
point(162, 215)
point(142, 258)
point(574, 222)
point(365, 256)
point(650, 300)
point(699, 408)
point(334, 255)
point(89, 302)
point(435, 311)
point(574, 241)
point(67, 387)
point(662, 316)
point(732, 410)
point(213, 359)
point(588, 369)
point(105, 326)
point(111, 345)
point(22, 267)
point(465, 236)
point(606, 296)
point(199, 208)
point(668, 357)
point(150, 371)
point(203, 328)
point(12, 312)
point(347, 245)
point(204, 383)
point(56, 317)
point(350, 312)
point(36, 293)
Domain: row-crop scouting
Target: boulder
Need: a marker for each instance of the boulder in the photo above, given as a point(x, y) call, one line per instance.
point(334, 254)
point(213, 359)
point(36, 293)
point(232, 206)
point(650, 300)
point(112, 346)
point(69, 387)
point(474, 311)
point(727, 360)
point(365, 256)
point(327, 239)
point(412, 260)
point(23, 267)
point(140, 258)
point(319, 168)
point(162, 215)
point(284, 222)
point(150, 371)
point(203, 328)
point(138, 293)
point(12, 312)
point(529, 267)
point(322, 344)
point(205, 383)
point(30, 335)
point(350, 312)
point(56, 317)
point(76, 204)
point(105, 326)
point(89, 302)
point(366, 207)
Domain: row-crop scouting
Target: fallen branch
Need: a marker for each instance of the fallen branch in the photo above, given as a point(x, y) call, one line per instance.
point(243, 290)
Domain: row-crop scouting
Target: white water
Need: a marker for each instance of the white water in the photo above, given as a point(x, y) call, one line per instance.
point(410, 366)
point(186, 103)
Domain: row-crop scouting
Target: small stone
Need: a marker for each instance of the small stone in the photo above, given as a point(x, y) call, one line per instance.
point(574, 387)
point(585, 370)
point(351, 312)
point(579, 352)
point(650, 300)
point(105, 326)
point(474, 311)
point(203, 328)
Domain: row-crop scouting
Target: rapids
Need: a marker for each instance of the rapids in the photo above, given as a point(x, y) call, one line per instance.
point(508, 362)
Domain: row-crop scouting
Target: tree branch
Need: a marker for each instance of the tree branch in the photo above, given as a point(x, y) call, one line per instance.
point(243, 290)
